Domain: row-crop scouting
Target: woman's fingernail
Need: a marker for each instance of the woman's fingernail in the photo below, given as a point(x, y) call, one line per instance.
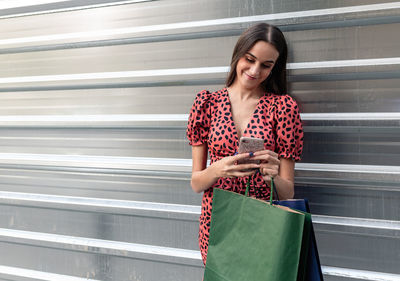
point(251, 154)
point(236, 153)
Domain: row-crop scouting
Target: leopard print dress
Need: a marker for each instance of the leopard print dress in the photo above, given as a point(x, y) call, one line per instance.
point(276, 119)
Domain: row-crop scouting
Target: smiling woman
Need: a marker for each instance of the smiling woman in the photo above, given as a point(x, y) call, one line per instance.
point(255, 66)
point(268, 34)
point(253, 104)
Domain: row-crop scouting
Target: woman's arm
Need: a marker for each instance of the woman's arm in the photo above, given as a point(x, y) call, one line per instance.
point(204, 177)
point(284, 181)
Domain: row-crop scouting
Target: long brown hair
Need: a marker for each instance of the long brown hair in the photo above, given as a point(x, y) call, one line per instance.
point(276, 81)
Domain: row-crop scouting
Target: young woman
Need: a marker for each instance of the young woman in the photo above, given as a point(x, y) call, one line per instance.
point(254, 103)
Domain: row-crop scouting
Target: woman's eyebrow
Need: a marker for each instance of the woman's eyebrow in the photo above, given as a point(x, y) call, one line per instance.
point(269, 61)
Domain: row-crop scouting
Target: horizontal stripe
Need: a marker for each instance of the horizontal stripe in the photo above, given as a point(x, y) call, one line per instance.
point(99, 245)
point(93, 244)
point(9, 4)
point(116, 85)
point(113, 205)
point(39, 275)
point(70, 9)
point(338, 76)
point(96, 118)
point(206, 23)
point(204, 81)
point(348, 168)
point(351, 116)
point(104, 161)
point(41, 161)
point(99, 202)
point(344, 63)
point(122, 41)
point(356, 222)
point(326, 270)
point(115, 75)
point(126, 119)
point(167, 164)
point(359, 274)
point(191, 71)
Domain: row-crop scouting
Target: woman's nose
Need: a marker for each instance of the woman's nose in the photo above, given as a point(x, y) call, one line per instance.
point(254, 69)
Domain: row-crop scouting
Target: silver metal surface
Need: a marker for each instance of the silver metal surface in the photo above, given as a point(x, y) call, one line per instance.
point(99, 205)
point(162, 120)
point(95, 245)
point(13, 272)
point(39, 7)
point(359, 274)
point(192, 71)
point(356, 222)
point(210, 23)
point(159, 210)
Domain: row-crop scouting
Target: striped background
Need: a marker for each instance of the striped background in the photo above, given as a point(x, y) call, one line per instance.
point(95, 166)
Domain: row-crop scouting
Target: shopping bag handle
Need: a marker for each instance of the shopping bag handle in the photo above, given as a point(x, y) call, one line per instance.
point(271, 197)
point(272, 191)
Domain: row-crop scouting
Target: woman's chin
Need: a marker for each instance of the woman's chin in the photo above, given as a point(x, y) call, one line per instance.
point(250, 85)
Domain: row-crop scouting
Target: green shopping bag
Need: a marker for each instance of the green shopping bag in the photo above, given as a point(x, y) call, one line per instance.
point(253, 240)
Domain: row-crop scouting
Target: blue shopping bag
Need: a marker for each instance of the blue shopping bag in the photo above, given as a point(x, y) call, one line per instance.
point(313, 270)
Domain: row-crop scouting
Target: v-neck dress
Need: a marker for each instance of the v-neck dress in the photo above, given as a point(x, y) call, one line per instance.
point(276, 119)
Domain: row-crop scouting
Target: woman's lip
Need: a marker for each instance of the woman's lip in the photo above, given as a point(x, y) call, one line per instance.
point(250, 77)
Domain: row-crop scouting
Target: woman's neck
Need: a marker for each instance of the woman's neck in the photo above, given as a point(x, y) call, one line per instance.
point(244, 94)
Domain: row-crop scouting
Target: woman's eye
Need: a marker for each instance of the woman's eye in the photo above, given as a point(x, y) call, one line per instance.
point(249, 60)
point(265, 66)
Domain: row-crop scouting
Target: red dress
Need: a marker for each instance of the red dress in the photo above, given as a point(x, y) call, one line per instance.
point(276, 119)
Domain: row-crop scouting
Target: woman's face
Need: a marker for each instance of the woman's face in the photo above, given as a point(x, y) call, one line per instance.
point(255, 66)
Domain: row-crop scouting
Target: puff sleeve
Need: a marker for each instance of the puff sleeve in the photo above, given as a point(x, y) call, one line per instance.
point(199, 119)
point(289, 129)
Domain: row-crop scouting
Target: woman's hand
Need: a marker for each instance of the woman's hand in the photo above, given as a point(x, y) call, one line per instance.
point(269, 166)
point(204, 177)
point(228, 167)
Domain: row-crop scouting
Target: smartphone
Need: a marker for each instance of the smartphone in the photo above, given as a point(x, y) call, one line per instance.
point(247, 144)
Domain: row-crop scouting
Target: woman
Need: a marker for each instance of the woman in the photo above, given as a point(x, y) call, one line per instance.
point(254, 103)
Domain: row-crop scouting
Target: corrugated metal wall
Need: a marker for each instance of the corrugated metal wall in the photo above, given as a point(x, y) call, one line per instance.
point(94, 163)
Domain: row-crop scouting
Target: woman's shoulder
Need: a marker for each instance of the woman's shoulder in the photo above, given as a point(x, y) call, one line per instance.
point(284, 100)
point(280, 97)
point(207, 96)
